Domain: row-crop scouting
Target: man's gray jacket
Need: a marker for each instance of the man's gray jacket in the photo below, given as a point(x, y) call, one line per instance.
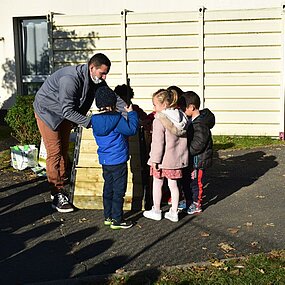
point(68, 94)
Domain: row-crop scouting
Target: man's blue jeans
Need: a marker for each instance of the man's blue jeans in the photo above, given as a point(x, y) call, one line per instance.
point(114, 190)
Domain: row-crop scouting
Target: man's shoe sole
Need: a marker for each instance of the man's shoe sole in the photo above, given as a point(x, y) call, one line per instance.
point(62, 210)
point(113, 227)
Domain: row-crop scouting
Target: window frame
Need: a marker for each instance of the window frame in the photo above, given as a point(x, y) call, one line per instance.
point(18, 48)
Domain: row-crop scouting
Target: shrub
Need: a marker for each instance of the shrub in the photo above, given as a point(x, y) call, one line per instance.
point(21, 119)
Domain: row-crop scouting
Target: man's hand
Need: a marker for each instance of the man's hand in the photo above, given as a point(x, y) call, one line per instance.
point(129, 109)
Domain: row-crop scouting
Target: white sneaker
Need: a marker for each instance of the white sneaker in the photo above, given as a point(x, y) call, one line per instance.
point(152, 214)
point(172, 216)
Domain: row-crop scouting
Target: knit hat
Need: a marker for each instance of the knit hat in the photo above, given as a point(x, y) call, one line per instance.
point(105, 97)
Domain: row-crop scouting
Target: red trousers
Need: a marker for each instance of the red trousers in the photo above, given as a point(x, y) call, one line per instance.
point(56, 144)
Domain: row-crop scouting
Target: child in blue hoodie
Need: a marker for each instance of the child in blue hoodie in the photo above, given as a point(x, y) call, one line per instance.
point(111, 131)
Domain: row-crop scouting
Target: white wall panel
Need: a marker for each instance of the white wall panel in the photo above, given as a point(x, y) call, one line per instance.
point(245, 105)
point(163, 67)
point(86, 43)
point(138, 18)
point(162, 42)
point(249, 79)
point(242, 26)
point(242, 59)
point(242, 92)
point(95, 31)
point(244, 14)
point(248, 52)
point(150, 55)
point(83, 20)
point(247, 117)
point(244, 129)
point(156, 29)
point(164, 80)
point(232, 40)
point(239, 66)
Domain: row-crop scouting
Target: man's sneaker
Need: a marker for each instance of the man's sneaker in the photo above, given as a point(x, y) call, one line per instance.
point(152, 214)
point(169, 202)
point(182, 205)
point(195, 208)
point(61, 204)
point(121, 225)
point(64, 191)
point(107, 221)
point(171, 215)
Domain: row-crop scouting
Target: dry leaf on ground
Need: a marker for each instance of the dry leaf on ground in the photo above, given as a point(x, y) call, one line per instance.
point(226, 247)
point(204, 234)
point(217, 263)
point(233, 230)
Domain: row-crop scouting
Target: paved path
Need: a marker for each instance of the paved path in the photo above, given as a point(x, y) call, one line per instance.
point(244, 214)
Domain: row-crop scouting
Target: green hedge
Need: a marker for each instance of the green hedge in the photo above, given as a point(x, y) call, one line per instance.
point(21, 119)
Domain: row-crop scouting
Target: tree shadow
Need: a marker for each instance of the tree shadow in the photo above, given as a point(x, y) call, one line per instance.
point(34, 246)
point(47, 260)
point(232, 172)
point(68, 48)
point(148, 276)
point(16, 198)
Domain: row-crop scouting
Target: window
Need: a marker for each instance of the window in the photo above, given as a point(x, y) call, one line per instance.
point(31, 53)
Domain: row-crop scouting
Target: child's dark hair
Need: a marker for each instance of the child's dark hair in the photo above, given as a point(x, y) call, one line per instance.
point(170, 97)
point(189, 98)
point(177, 89)
point(124, 91)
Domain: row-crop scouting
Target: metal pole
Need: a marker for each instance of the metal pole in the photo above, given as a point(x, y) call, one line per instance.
point(201, 57)
point(282, 79)
point(124, 46)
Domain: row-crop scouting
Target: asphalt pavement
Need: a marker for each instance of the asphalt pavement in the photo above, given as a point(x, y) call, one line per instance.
point(243, 214)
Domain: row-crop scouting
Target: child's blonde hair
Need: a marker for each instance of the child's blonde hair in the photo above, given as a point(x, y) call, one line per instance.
point(170, 97)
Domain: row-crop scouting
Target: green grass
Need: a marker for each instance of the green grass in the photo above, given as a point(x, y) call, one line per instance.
point(242, 142)
point(5, 159)
point(262, 269)
point(220, 143)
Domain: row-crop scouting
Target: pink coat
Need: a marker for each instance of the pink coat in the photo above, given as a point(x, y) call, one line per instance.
point(167, 149)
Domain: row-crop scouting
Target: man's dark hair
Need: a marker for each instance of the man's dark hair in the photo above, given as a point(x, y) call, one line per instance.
point(189, 98)
point(98, 59)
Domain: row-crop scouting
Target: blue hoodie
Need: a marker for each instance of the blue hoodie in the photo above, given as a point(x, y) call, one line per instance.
point(111, 131)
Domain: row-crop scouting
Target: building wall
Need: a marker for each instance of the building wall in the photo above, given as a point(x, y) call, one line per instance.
point(233, 59)
point(17, 8)
point(241, 52)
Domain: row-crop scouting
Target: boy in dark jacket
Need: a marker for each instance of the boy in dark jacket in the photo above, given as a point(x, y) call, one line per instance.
point(200, 146)
point(111, 131)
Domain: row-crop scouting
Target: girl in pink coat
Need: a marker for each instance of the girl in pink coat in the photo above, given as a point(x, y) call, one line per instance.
point(169, 151)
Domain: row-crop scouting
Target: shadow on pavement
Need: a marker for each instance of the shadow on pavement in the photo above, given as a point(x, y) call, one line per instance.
point(38, 244)
point(231, 173)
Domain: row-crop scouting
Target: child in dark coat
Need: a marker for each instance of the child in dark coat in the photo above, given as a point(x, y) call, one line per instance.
point(200, 145)
point(111, 131)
